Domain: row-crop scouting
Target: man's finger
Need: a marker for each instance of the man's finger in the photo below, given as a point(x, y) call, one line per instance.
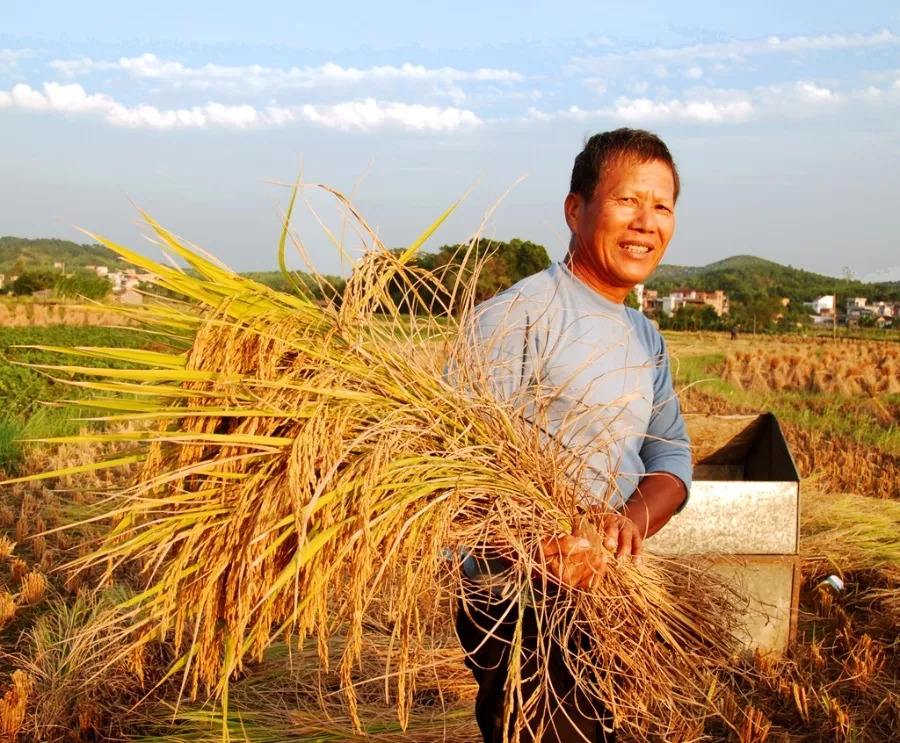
point(625, 542)
point(638, 548)
point(564, 546)
point(611, 531)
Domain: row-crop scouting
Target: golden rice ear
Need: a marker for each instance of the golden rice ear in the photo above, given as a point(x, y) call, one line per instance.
point(13, 704)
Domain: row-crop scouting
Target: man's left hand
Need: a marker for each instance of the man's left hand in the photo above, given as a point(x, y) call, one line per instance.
point(620, 534)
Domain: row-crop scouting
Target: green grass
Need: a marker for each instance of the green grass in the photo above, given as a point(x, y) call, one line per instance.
point(24, 391)
point(844, 416)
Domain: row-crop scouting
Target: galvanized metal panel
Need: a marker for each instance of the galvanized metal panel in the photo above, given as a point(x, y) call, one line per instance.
point(733, 518)
point(766, 586)
point(744, 511)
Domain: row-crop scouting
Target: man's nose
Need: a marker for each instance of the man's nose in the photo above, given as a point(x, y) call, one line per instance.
point(644, 218)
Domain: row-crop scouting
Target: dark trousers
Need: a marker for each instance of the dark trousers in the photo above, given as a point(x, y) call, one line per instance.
point(485, 630)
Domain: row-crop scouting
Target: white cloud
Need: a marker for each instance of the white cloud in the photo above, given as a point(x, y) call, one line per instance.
point(258, 77)
point(697, 111)
point(736, 50)
point(598, 41)
point(646, 111)
point(371, 114)
point(82, 66)
point(797, 97)
point(24, 97)
point(73, 99)
point(363, 115)
point(717, 106)
point(694, 73)
point(814, 92)
point(9, 59)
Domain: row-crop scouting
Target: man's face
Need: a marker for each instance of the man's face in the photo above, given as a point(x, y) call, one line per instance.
point(621, 234)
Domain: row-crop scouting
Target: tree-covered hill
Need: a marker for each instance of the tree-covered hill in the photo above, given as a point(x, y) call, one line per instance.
point(18, 254)
point(746, 276)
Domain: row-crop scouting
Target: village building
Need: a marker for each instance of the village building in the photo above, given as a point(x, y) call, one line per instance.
point(823, 306)
point(679, 298)
point(649, 301)
point(879, 313)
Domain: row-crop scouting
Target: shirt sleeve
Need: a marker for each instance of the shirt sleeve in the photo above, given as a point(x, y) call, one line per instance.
point(667, 447)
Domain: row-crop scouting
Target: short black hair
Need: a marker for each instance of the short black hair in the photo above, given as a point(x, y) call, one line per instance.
point(605, 148)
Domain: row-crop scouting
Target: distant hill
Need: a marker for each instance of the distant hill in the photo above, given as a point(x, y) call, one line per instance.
point(744, 276)
point(20, 253)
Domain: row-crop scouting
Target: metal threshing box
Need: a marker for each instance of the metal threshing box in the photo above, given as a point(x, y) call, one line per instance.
point(743, 512)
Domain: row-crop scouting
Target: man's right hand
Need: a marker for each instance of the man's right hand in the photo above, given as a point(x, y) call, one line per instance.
point(575, 561)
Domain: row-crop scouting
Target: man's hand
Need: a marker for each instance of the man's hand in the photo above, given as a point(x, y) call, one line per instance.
point(580, 560)
point(621, 535)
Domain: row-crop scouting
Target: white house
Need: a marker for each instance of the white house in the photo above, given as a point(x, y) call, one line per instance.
point(824, 305)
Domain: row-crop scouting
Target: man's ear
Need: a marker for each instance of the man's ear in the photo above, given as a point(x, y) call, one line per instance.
point(572, 208)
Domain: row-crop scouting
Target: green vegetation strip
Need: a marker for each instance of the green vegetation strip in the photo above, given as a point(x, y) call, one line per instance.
point(24, 389)
point(848, 417)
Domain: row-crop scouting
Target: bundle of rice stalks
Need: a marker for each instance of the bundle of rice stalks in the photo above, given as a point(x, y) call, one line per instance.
point(311, 468)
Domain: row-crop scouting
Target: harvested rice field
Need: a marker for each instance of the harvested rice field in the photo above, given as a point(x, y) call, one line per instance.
point(72, 670)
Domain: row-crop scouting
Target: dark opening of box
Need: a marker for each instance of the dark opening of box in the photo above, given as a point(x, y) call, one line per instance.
point(759, 452)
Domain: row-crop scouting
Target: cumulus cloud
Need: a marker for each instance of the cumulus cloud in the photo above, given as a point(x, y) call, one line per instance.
point(716, 106)
point(697, 111)
point(363, 115)
point(738, 50)
point(797, 97)
point(9, 59)
point(370, 114)
point(644, 110)
point(257, 77)
point(73, 99)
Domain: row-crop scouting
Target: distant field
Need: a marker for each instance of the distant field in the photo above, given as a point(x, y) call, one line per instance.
point(839, 402)
point(20, 313)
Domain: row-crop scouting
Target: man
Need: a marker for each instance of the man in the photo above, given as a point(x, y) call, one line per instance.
point(594, 375)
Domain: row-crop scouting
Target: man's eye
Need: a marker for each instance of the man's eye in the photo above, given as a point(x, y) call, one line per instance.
point(664, 208)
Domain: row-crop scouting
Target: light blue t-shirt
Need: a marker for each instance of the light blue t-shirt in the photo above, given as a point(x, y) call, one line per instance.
point(593, 374)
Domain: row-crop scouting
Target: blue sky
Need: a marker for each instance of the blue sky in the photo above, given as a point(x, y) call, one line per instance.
point(783, 121)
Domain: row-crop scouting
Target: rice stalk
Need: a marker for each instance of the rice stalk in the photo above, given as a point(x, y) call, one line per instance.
point(13, 704)
point(76, 692)
point(6, 547)
point(32, 588)
point(312, 469)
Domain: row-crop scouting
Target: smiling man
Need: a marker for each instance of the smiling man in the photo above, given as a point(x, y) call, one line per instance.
point(594, 375)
